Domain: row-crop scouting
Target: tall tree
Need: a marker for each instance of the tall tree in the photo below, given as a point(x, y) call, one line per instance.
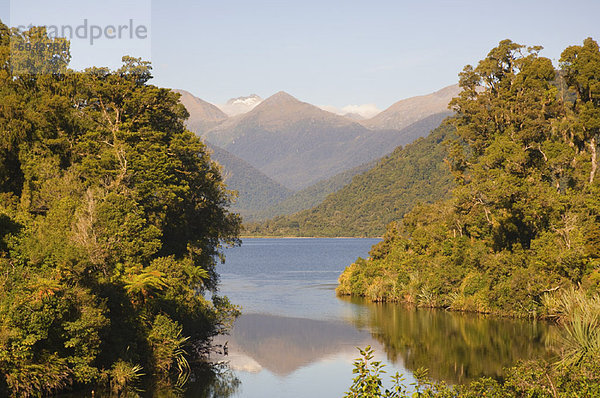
point(581, 68)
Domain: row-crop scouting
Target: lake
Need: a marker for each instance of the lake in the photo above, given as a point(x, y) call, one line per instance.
point(297, 339)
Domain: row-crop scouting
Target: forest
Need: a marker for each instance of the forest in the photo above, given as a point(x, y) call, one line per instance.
point(520, 234)
point(112, 220)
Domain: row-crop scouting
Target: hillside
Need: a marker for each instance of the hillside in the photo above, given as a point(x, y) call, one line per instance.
point(416, 173)
point(256, 191)
point(313, 195)
point(408, 111)
point(203, 115)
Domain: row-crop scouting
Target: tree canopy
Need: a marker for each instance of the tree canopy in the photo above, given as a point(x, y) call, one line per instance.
point(524, 217)
point(112, 216)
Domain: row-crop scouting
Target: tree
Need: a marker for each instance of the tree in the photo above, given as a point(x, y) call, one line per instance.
point(581, 68)
point(112, 220)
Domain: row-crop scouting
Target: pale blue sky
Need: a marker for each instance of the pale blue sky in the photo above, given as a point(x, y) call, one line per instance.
point(328, 52)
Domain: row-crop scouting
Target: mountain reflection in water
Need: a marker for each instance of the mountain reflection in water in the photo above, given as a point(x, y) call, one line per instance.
point(454, 347)
point(282, 345)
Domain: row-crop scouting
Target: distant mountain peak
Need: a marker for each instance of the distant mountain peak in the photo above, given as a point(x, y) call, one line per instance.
point(283, 109)
point(203, 115)
point(354, 116)
point(241, 105)
point(251, 99)
point(281, 97)
point(407, 111)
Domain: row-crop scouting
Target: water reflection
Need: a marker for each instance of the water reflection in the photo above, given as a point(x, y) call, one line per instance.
point(455, 347)
point(296, 339)
point(283, 345)
point(217, 381)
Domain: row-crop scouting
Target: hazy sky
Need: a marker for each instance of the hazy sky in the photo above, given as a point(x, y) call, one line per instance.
point(324, 52)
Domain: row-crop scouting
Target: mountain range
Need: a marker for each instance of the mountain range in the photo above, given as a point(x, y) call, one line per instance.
point(293, 145)
point(298, 144)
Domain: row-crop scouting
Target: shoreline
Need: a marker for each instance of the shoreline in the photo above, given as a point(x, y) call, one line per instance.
point(307, 237)
point(413, 305)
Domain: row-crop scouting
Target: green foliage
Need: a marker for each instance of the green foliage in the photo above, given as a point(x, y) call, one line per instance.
point(368, 383)
point(112, 220)
point(168, 344)
point(527, 379)
point(579, 315)
point(124, 377)
point(524, 214)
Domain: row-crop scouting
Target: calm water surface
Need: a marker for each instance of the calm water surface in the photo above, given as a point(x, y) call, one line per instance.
point(297, 339)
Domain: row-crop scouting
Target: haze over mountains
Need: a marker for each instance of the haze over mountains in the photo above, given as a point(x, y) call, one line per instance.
point(292, 144)
point(256, 191)
point(416, 173)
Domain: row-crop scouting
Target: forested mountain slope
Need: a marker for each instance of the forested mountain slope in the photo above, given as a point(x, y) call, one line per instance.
point(410, 175)
point(255, 191)
point(313, 195)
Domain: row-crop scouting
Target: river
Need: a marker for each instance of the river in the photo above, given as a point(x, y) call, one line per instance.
point(297, 339)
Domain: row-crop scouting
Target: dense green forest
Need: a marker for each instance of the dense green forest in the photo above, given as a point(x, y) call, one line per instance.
point(112, 219)
point(415, 173)
point(524, 217)
point(520, 234)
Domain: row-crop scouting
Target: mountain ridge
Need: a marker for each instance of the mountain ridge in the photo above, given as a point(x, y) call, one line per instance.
point(384, 193)
point(409, 110)
point(293, 142)
point(297, 143)
point(203, 114)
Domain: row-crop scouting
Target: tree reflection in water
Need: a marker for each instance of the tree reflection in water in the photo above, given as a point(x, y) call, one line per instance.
point(211, 381)
point(454, 347)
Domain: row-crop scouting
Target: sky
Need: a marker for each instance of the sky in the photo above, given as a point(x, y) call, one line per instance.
point(326, 52)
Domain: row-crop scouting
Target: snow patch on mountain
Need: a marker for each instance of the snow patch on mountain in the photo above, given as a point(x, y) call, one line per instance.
point(240, 105)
